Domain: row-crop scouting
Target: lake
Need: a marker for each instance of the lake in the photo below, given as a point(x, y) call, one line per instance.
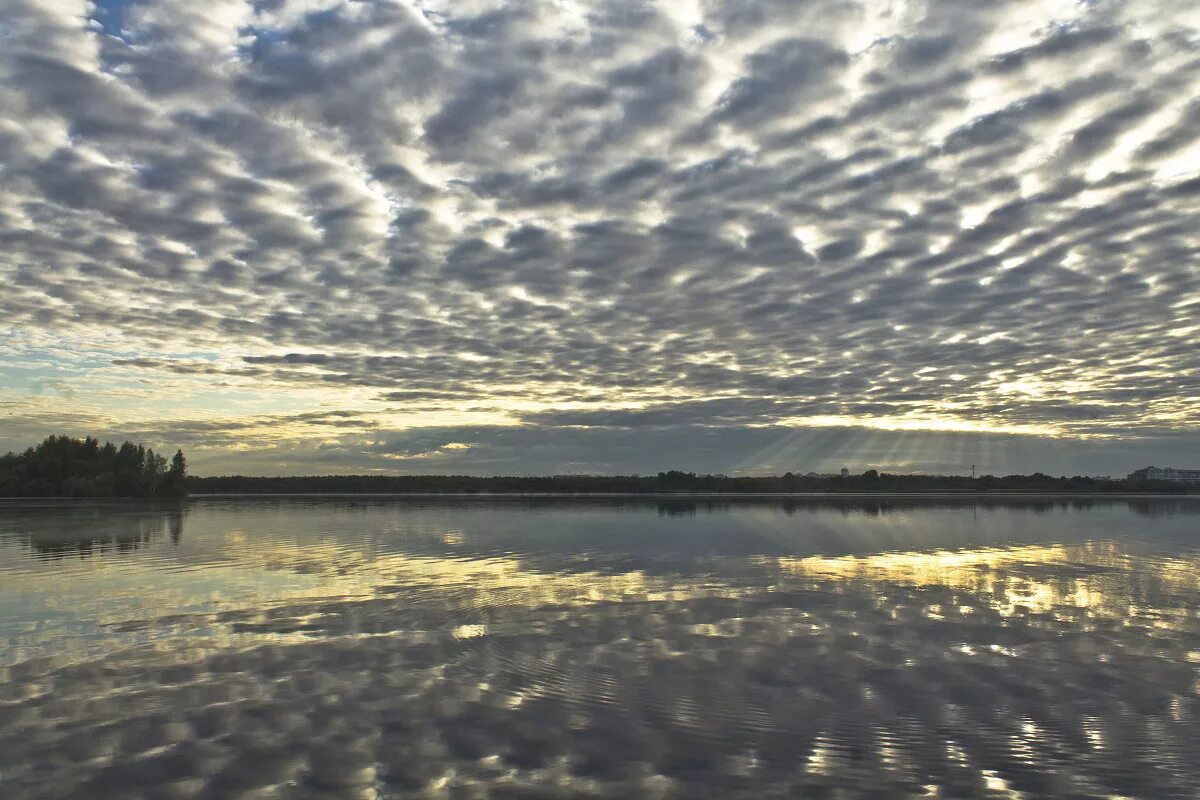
point(364, 647)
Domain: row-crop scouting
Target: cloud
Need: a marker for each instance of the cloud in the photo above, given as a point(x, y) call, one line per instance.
point(585, 221)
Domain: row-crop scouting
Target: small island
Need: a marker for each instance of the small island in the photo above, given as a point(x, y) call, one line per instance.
point(62, 466)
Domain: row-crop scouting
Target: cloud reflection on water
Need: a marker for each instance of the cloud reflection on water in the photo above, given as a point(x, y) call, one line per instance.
point(505, 650)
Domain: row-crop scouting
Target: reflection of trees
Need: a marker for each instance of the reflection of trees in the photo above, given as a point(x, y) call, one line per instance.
point(175, 523)
point(62, 548)
point(689, 508)
point(668, 544)
point(1164, 507)
point(89, 530)
point(686, 504)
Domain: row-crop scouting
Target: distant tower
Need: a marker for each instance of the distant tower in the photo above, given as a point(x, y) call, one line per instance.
point(972, 470)
point(845, 472)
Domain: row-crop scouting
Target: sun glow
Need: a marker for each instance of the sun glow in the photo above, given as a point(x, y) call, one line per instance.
point(943, 424)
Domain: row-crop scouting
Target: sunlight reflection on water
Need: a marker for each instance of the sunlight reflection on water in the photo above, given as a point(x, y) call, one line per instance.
point(600, 648)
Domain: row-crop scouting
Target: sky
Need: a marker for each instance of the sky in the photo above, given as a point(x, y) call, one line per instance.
point(305, 236)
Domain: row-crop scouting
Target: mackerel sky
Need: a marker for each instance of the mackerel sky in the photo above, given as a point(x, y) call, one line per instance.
point(547, 237)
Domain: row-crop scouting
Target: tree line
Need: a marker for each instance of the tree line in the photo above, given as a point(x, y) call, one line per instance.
point(62, 466)
point(667, 482)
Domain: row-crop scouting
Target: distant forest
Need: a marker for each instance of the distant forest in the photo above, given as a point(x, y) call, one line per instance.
point(668, 482)
point(62, 466)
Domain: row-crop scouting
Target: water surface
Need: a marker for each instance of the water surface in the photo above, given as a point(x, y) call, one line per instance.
point(615, 647)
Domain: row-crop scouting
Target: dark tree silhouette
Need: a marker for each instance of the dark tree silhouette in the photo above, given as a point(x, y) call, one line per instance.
point(62, 466)
point(65, 467)
point(175, 482)
point(673, 481)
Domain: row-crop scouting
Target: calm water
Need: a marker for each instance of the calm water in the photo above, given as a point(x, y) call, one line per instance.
point(617, 648)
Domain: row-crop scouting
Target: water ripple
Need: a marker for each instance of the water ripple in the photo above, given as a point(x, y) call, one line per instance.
point(398, 650)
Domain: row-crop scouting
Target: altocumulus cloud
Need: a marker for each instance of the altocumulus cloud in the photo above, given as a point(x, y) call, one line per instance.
point(526, 237)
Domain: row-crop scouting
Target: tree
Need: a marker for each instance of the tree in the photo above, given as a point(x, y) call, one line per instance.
point(65, 467)
point(153, 473)
point(175, 482)
point(127, 473)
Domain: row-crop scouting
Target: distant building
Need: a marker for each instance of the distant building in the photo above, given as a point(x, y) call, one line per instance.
point(845, 472)
point(1166, 474)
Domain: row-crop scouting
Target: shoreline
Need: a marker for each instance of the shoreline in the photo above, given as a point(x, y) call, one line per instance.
point(212, 495)
point(632, 495)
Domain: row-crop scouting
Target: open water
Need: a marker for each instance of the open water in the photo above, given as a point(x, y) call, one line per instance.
point(600, 648)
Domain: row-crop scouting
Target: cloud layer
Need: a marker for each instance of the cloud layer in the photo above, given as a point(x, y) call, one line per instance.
point(365, 228)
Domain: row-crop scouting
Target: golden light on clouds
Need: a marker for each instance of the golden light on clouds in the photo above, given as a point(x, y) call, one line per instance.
point(921, 423)
point(862, 217)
